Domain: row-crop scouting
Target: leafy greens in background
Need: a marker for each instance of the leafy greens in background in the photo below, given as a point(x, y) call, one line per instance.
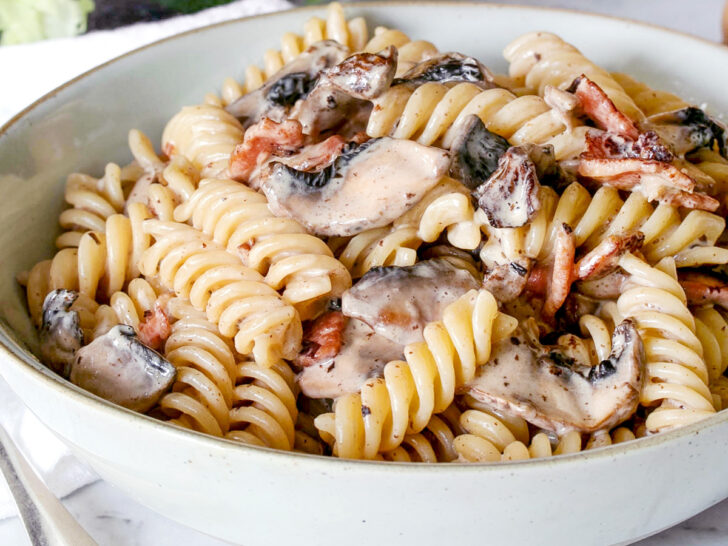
point(32, 20)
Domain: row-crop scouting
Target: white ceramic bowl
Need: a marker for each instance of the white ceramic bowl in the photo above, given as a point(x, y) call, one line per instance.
point(259, 496)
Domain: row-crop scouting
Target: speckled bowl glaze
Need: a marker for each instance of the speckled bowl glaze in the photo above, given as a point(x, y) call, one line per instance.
point(258, 496)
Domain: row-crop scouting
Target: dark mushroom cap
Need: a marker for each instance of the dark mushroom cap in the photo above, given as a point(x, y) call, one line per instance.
point(475, 152)
point(448, 67)
point(290, 84)
point(121, 369)
point(689, 129)
point(60, 332)
point(510, 197)
point(344, 91)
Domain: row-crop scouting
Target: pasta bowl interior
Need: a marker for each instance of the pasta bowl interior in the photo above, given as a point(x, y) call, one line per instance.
point(231, 488)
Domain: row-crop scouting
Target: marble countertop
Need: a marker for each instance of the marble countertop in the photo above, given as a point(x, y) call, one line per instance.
point(112, 518)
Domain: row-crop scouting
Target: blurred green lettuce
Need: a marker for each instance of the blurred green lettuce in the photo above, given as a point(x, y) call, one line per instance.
point(31, 20)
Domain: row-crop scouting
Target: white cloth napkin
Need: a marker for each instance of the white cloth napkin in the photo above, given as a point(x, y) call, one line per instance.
point(27, 73)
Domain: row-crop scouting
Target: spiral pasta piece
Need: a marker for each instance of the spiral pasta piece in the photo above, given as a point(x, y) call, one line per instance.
point(128, 307)
point(677, 376)
point(205, 135)
point(650, 101)
point(352, 34)
point(202, 394)
point(264, 406)
point(690, 238)
point(494, 437)
point(101, 265)
point(92, 202)
point(218, 393)
point(711, 327)
point(108, 260)
point(433, 113)
point(233, 296)
point(435, 444)
point(539, 59)
point(445, 208)
point(378, 418)
point(281, 249)
point(378, 247)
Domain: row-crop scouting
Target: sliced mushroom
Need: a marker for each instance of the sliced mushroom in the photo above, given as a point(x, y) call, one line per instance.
point(510, 197)
point(367, 186)
point(346, 88)
point(550, 389)
point(688, 129)
point(60, 332)
point(608, 287)
point(398, 302)
point(507, 281)
point(290, 84)
point(448, 67)
point(361, 355)
point(476, 152)
point(121, 369)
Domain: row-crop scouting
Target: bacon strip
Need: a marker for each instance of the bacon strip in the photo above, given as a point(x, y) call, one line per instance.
point(262, 140)
point(604, 258)
point(317, 156)
point(599, 107)
point(538, 280)
point(615, 171)
point(155, 328)
point(322, 339)
point(656, 180)
point(608, 146)
point(702, 289)
point(562, 274)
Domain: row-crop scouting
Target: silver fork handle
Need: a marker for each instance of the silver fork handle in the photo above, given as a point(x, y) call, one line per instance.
point(46, 519)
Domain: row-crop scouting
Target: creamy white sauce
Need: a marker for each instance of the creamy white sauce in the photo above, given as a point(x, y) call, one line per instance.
point(363, 355)
point(399, 302)
point(380, 184)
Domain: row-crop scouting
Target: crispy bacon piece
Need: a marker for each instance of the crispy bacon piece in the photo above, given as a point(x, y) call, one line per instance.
point(604, 258)
point(643, 164)
point(599, 107)
point(608, 146)
point(703, 288)
point(317, 156)
point(155, 328)
point(262, 140)
point(538, 280)
point(321, 339)
point(562, 273)
point(656, 180)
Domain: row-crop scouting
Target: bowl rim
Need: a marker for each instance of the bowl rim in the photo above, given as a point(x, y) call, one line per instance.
point(16, 354)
